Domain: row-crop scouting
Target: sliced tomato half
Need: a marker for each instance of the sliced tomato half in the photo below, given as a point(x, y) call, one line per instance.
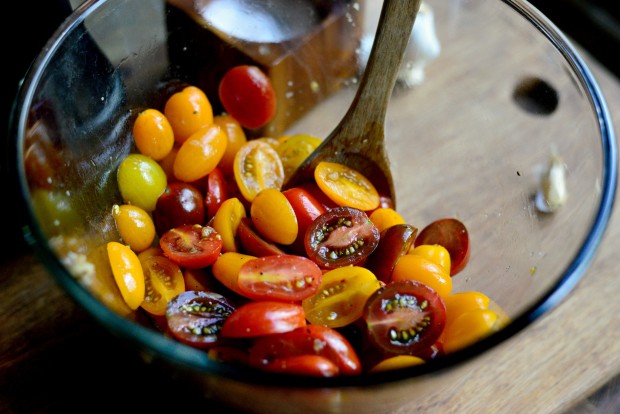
point(192, 245)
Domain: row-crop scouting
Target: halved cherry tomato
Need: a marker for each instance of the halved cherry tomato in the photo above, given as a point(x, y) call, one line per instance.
point(226, 269)
point(346, 186)
point(236, 139)
point(307, 208)
point(341, 236)
point(293, 150)
point(341, 297)
point(257, 166)
point(307, 340)
point(307, 365)
point(196, 317)
point(180, 203)
point(435, 253)
point(199, 279)
point(255, 319)
point(451, 234)
point(469, 327)
point(404, 317)
point(192, 246)
point(127, 272)
point(385, 217)
point(163, 280)
point(252, 243)
point(247, 94)
point(226, 222)
point(280, 277)
point(397, 362)
point(414, 267)
point(394, 242)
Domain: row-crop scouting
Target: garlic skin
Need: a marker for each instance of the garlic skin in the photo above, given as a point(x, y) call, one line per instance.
point(423, 47)
point(552, 193)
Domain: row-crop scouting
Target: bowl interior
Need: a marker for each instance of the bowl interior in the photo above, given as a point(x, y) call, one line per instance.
point(471, 140)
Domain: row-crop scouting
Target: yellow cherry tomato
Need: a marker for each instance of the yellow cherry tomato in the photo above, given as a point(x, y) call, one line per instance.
point(236, 139)
point(385, 217)
point(134, 225)
point(274, 217)
point(188, 111)
point(346, 186)
point(226, 269)
point(227, 221)
point(257, 166)
point(341, 297)
point(396, 362)
point(294, 149)
point(167, 163)
point(419, 268)
point(141, 181)
point(163, 280)
point(153, 134)
point(461, 302)
point(435, 253)
point(127, 272)
point(200, 154)
point(468, 328)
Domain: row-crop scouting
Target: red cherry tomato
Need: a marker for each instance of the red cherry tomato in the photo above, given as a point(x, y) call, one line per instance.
point(248, 96)
point(255, 319)
point(252, 243)
point(394, 242)
point(217, 191)
point(404, 317)
point(180, 203)
point(307, 365)
point(340, 237)
point(451, 234)
point(307, 208)
point(196, 317)
point(308, 340)
point(279, 277)
point(191, 246)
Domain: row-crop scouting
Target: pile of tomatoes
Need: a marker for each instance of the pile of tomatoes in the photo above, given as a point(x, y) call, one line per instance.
point(323, 279)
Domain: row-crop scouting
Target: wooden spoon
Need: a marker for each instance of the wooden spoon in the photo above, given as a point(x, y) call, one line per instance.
point(358, 140)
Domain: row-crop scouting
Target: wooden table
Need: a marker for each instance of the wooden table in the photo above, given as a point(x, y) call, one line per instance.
point(45, 336)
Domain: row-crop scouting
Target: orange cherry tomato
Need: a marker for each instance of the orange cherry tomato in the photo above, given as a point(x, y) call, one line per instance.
point(274, 217)
point(236, 139)
point(413, 267)
point(346, 186)
point(200, 154)
point(135, 226)
point(127, 272)
point(435, 253)
point(226, 269)
point(451, 234)
point(257, 166)
point(385, 217)
point(163, 281)
point(396, 362)
point(153, 134)
point(188, 111)
point(468, 328)
point(227, 221)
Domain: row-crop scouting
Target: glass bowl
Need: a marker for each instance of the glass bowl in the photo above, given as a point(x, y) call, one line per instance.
point(495, 120)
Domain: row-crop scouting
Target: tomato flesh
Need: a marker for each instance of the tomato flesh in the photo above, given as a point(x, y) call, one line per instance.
point(191, 246)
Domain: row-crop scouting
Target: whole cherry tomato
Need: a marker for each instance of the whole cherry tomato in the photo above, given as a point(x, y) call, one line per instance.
point(248, 96)
point(187, 111)
point(180, 203)
point(255, 319)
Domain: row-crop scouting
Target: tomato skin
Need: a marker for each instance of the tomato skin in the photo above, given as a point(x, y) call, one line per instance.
point(415, 267)
point(255, 319)
point(141, 180)
point(469, 327)
point(346, 186)
point(451, 234)
point(435, 253)
point(187, 111)
point(196, 317)
point(293, 150)
point(394, 242)
point(385, 217)
point(308, 340)
point(307, 365)
point(192, 246)
point(396, 362)
point(200, 153)
point(247, 95)
point(226, 222)
point(404, 317)
point(279, 277)
point(153, 134)
point(307, 208)
point(236, 139)
point(226, 269)
point(163, 280)
point(135, 226)
point(252, 243)
point(127, 272)
point(274, 217)
point(340, 237)
point(180, 203)
point(217, 191)
point(341, 297)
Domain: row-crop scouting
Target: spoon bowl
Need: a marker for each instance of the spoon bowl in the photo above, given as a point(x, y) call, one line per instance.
point(358, 141)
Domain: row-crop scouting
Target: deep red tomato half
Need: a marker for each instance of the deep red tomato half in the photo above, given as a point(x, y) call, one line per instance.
point(287, 278)
point(196, 317)
point(341, 236)
point(451, 234)
point(247, 94)
point(404, 317)
point(217, 191)
point(308, 340)
point(263, 318)
point(252, 243)
point(394, 242)
point(191, 246)
point(180, 203)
